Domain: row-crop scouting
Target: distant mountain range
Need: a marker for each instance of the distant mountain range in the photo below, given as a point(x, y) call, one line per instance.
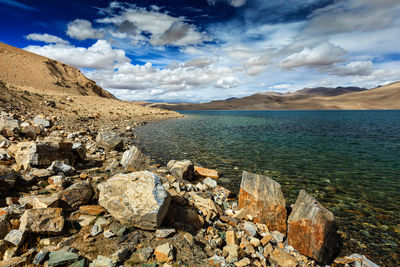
point(320, 98)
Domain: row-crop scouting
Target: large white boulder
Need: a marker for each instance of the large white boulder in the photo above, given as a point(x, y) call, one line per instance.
point(138, 199)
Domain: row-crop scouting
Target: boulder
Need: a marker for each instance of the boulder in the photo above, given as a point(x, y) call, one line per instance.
point(8, 181)
point(4, 225)
point(182, 169)
point(77, 195)
point(312, 229)
point(134, 160)
point(8, 126)
point(204, 172)
point(39, 120)
point(281, 258)
point(263, 198)
point(15, 237)
point(58, 166)
point(42, 221)
point(109, 140)
point(42, 153)
point(164, 253)
point(137, 199)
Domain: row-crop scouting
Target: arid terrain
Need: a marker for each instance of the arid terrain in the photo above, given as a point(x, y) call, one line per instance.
point(32, 84)
point(340, 98)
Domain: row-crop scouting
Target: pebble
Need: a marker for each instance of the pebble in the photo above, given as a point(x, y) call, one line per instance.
point(96, 229)
point(164, 233)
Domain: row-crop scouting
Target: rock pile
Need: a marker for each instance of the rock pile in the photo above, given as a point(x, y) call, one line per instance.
point(92, 198)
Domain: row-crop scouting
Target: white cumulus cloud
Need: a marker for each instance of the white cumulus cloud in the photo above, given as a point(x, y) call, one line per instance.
point(324, 54)
point(81, 29)
point(99, 56)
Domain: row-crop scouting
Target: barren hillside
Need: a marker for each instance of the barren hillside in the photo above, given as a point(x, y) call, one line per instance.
point(23, 70)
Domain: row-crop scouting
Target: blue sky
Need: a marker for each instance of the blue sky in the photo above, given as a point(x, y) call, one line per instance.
point(202, 50)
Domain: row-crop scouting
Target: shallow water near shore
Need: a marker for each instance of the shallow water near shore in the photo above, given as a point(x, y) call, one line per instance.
point(348, 160)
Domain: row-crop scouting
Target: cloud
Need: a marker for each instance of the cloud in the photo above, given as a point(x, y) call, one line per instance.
point(98, 56)
point(47, 38)
point(355, 68)
point(324, 54)
point(153, 26)
point(234, 3)
point(201, 62)
point(81, 29)
point(227, 82)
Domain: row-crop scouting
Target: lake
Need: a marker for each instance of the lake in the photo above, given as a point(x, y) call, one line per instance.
point(348, 160)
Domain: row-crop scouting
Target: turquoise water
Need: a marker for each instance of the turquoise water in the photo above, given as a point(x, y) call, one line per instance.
point(348, 160)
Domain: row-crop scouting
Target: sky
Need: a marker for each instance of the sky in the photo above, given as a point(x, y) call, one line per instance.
point(203, 50)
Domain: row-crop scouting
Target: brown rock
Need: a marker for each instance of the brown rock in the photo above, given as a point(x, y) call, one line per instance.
point(231, 237)
point(77, 195)
point(93, 210)
point(266, 239)
point(282, 258)
point(312, 229)
point(263, 197)
point(204, 172)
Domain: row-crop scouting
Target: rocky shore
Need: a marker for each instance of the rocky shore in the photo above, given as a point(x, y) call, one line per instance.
point(91, 198)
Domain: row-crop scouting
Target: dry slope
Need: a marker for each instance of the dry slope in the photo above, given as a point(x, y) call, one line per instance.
point(24, 70)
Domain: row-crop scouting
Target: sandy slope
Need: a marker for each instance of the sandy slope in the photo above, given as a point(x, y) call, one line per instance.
point(31, 84)
point(27, 71)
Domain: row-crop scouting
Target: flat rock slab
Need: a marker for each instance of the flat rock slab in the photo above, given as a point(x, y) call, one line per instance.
point(312, 229)
point(93, 210)
point(61, 257)
point(138, 199)
point(204, 172)
point(42, 221)
point(134, 160)
point(263, 198)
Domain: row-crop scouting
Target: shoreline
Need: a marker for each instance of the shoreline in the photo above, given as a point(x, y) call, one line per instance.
point(56, 207)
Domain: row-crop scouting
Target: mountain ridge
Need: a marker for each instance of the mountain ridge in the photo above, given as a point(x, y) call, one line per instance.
point(319, 98)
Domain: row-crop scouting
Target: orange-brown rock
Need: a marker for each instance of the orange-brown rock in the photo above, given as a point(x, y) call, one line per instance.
point(92, 210)
point(263, 198)
point(204, 172)
point(312, 229)
point(282, 258)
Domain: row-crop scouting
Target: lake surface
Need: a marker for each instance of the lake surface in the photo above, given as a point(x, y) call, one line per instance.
point(348, 160)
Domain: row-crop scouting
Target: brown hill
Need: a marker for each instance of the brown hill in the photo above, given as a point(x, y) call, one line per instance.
point(322, 98)
point(23, 70)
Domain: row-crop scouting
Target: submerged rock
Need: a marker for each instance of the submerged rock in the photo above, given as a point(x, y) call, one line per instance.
point(262, 197)
point(312, 229)
point(134, 160)
point(137, 199)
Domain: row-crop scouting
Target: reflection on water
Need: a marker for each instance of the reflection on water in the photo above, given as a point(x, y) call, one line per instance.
point(348, 160)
